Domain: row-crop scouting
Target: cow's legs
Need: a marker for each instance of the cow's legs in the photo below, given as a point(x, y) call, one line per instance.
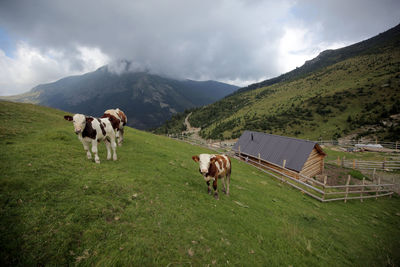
point(94, 150)
point(117, 136)
point(223, 184)
point(209, 188)
point(114, 148)
point(111, 137)
point(108, 146)
point(215, 189)
point(120, 135)
point(228, 181)
point(86, 147)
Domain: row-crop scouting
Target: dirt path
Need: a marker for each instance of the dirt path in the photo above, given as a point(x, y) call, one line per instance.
point(194, 132)
point(189, 128)
point(338, 176)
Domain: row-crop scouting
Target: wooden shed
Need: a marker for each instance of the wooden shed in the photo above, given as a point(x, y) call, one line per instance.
point(291, 156)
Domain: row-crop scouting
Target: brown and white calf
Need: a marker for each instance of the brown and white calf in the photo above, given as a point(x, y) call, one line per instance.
point(93, 130)
point(213, 167)
point(118, 120)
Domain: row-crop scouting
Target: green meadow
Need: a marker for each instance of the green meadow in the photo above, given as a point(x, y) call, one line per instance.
point(151, 207)
point(355, 96)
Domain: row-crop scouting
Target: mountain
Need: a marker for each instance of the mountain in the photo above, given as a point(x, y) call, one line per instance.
point(147, 99)
point(374, 45)
point(352, 91)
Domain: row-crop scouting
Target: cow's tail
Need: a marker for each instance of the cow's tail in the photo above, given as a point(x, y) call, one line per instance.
point(228, 176)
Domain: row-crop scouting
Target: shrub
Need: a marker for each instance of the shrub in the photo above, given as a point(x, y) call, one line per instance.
point(349, 119)
point(357, 174)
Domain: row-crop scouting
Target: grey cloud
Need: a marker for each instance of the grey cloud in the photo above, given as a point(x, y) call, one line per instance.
point(350, 21)
point(209, 39)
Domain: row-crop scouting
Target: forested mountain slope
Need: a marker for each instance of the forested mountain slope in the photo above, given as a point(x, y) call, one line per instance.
point(359, 94)
point(147, 99)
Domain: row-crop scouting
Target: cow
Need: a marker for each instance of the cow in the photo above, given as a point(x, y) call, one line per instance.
point(118, 120)
point(93, 130)
point(213, 167)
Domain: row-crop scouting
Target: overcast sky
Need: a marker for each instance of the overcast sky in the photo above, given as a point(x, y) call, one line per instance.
point(235, 41)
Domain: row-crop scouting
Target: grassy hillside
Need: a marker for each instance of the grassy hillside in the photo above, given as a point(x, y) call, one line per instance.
point(354, 90)
point(150, 208)
point(356, 95)
point(377, 44)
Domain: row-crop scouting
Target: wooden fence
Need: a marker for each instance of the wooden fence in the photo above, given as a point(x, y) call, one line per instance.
point(312, 187)
point(320, 190)
point(219, 147)
point(369, 165)
point(394, 146)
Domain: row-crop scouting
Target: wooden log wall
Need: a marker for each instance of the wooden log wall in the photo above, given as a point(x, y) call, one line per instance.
point(314, 164)
point(363, 191)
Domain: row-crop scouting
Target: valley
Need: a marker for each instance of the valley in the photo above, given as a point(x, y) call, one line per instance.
point(147, 99)
point(350, 91)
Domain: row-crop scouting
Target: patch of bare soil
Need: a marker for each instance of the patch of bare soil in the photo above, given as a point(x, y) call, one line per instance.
point(337, 175)
point(194, 132)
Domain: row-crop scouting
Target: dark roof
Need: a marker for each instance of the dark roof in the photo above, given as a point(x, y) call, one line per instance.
point(275, 148)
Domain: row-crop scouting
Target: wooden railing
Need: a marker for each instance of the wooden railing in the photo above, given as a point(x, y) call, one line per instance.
point(320, 190)
point(370, 165)
point(351, 143)
point(312, 187)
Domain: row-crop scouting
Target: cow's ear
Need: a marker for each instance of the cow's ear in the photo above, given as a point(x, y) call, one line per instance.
point(68, 118)
point(196, 158)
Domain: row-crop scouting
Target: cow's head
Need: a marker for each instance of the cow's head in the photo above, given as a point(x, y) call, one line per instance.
point(79, 122)
point(204, 161)
point(122, 116)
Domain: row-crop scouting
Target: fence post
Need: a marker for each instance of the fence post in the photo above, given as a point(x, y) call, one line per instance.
point(343, 159)
point(373, 175)
point(283, 169)
point(362, 189)
point(259, 158)
point(383, 163)
point(377, 188)
point(325, 178)
point(338, 160)
point(347, 188)
point(239, 152)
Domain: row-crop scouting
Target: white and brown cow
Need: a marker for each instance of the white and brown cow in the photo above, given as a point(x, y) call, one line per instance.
point(93, 130)
point(118, 120)
point(213, 167)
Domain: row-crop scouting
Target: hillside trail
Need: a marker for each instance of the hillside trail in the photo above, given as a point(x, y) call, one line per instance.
point(194, 132)
point(194, 137)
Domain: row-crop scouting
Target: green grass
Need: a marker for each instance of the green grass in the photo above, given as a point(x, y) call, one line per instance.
point(150, 208)
point(357, 174)
point(332, 102)
point(334, 153)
